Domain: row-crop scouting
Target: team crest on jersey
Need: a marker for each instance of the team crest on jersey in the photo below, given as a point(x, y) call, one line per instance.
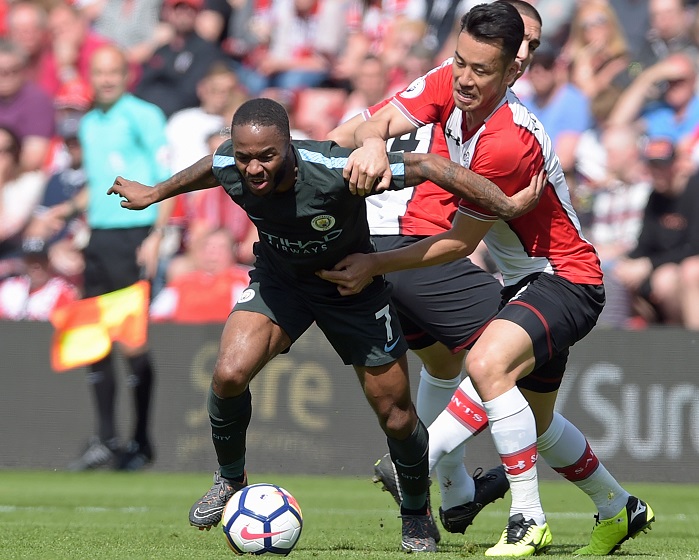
point(466, 159)
point(323, 222)
point(414, 89)
point(247, 295)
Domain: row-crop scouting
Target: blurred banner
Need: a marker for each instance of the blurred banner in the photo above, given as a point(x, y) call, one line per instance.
point(634, 394)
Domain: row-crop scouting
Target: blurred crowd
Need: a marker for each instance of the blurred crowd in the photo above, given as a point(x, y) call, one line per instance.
point(614, 82)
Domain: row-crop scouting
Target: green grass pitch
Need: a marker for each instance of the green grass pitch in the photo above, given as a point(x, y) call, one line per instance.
point(104, 515)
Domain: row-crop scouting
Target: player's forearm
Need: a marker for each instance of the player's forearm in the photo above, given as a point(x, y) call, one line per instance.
point(458, 180)
point(196, 177)
point(437, 249)
point(375, 131)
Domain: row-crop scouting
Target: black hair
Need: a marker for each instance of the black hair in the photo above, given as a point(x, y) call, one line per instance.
point(496, 22)
point(526, 9)
point(263, 112)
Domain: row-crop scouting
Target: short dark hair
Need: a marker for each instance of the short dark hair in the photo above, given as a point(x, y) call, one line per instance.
point(496, 22)
point(526, 9)
point(264, 112)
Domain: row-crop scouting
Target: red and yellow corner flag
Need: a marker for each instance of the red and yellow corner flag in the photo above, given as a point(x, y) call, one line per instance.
point(85, 329)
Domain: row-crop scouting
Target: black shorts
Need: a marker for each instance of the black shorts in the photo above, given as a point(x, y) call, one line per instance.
point(449, 303)
point(110, 259)
point(556, 314)
point(363, 329)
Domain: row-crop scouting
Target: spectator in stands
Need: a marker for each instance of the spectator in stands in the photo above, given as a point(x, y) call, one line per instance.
point(400, 39)
point(134, 25)
point(207, 293)
point(188, 130)
point(35, 294)
point(72, 44)
point(663, 269)
point(63, 239)
point(617, 207)
point(635, 22)
point(590, 154)
point(418, 62)
point(301, 56)
point(20, 193)
point(24, 107)
point(120, 132)
point(662, 100)
point(560, 106)
point(316, 111)
point(368, 24)
point(669, 32)
point(239, 27)
point(596, 50)
point(72, 101)
point(368, 86)
point(442, 26)
point(28, 29)
point(557, 14)
point(216, 19)
point(171, 75)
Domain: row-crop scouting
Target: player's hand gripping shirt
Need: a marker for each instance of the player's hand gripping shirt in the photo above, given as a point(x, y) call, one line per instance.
point(316, 223)
point(509, 148)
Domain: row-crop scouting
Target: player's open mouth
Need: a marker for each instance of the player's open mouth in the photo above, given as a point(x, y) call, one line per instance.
point(465, 96)
point(258, 184)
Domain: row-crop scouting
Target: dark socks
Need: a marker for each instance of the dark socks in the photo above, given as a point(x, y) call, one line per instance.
point(410, 457)
point(229, 423)
point(142, 386)
point(101, 377)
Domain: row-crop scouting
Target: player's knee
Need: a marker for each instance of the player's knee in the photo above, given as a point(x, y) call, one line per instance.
point(481, 366)
point(231, 378)
point(397, 422)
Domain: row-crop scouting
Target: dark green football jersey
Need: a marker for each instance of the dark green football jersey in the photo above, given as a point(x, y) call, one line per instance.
point(316, 223)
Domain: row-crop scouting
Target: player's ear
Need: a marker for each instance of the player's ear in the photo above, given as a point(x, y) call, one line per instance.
point(512, 71)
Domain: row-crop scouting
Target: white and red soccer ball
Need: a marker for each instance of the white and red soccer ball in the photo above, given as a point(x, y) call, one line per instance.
point(262, 519)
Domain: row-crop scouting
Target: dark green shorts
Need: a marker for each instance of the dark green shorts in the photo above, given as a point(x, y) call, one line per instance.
point(363, 329)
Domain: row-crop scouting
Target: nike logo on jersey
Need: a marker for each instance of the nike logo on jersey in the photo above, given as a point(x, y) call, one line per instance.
point(640, 508)
point(388, 348)
point(247, 534)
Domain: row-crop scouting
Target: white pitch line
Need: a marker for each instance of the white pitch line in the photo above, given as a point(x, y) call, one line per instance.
point(81, 509)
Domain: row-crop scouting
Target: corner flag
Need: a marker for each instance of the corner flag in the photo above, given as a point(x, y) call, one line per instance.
point(85, 329)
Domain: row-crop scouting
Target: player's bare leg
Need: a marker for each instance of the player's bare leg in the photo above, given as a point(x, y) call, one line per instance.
point(248, 342)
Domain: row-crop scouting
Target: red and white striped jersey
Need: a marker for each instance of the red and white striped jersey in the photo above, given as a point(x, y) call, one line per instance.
point(420, 211)
point(509, 148)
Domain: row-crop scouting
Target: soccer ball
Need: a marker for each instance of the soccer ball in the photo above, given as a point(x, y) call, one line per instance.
point(262, 519)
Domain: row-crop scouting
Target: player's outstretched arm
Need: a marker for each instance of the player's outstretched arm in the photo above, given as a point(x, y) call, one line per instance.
point(355, 272)
point(137, 196)
point(470, 186)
